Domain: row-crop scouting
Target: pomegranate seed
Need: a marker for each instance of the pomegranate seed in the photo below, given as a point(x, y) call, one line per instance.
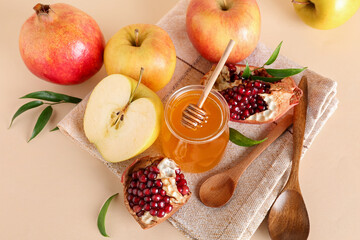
point(166, 199)
point(133, 184)
point(154, 190)
point(257, 84)
point(261, 107)
point(140, 194)
point(162, 192)
point(241, 90)
point(236, 109)
point(177, 178)
point(153, 212)
point(158, 183)
point(142, 186)
point(140, 173)
point(185, 190)
point(146, 172)
point(161, 213)
point(248, 106)
point(147, 192)
point(249, 84)
point(139, 214)
point(182, 176)
point(233, 115)
point(168, 208)
point(141, 203)
point(246, 113)
point(143, 179)
point(131, 204)
point(156, 197)
point(154, 169)
point(177, 171)
point(182, 182)
point(248, 92)
point(149, 184)
point(152, 176)
point(235, 89)
point(147, 199)
point(130, 197)
point(136, 208)
point(254, 91)
point(134, 176)
point(136, 200)
point(147, 207)
point(153, 205)
point(129, 191)
point(161, 204)
point(135, 191)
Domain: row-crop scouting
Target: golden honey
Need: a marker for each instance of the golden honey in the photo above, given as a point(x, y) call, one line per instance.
point(201, 149)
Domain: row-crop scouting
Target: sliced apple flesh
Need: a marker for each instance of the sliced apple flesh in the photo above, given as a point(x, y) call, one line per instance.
point(120, 130)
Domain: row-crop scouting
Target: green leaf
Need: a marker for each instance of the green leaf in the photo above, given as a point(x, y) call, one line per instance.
point(102, 214)
point(54, 129)
point(246, 73)
point(266, 79)
point(42, 121)
point(52, 97)
point(284, 72)
point(25, 107)
point(239, 139)
point(274, 55)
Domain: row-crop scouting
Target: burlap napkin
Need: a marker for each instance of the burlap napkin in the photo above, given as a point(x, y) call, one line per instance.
point(262, 181)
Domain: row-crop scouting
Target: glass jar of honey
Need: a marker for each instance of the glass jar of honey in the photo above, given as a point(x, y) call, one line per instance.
point(201, 149)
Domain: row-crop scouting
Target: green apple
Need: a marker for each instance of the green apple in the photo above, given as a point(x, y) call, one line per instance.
point(325, 14)
point(142, 45)
point(118, 128)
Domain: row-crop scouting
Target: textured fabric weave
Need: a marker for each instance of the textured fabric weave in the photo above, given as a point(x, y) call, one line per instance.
point(262, 181)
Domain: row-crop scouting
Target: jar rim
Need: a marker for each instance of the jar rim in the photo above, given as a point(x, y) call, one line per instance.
point(224, 111)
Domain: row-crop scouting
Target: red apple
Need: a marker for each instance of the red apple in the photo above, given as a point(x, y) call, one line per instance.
point(61, 44)
point(142, 45)
point(211, 23)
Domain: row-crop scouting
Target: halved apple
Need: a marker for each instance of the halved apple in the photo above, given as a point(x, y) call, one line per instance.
point(120, 130)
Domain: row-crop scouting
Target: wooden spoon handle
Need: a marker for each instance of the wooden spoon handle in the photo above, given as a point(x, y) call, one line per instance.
point(281, 126)
point(216, 73)
point(299, 132)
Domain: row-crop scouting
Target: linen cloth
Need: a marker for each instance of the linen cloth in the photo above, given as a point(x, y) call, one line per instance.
point(263, 180)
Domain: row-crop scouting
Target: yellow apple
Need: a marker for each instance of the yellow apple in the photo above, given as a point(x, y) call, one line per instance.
point(121, 130)
point(325, 14)
point(150, 48)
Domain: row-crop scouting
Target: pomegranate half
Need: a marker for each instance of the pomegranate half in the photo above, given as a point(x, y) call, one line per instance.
point(61, 44)
point(154, 189)
point(254, 101)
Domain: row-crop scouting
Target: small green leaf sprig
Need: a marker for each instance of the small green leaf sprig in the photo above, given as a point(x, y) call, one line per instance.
point(52, 98)
point(277, 74)
point(102, 215)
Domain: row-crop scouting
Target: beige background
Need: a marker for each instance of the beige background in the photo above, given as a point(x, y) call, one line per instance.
point(51, 189)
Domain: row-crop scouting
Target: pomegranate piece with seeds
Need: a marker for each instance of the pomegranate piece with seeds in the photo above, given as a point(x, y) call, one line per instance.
point(254, 101)
point(165, 190)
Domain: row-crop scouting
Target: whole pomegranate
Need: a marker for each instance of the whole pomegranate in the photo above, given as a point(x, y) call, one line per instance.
point(61, 44)
point(254, 101)
point(154, 189)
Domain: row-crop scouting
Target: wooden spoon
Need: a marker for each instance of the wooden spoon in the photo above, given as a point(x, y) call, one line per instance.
point(288, 217)
point(219, 188)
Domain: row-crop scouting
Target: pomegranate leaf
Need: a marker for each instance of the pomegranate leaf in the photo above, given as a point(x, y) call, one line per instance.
point(246, 73)
point(240, 140)
point(266, 79)
point(54, 129)
point(24, 108)
point(102, 214)
point(42, 121)
point(52, 97)
point(274, 55)
point(284, 72)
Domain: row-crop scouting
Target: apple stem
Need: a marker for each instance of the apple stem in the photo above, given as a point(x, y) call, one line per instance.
point(120, 114)
point(136, 37)
point(296, 2)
